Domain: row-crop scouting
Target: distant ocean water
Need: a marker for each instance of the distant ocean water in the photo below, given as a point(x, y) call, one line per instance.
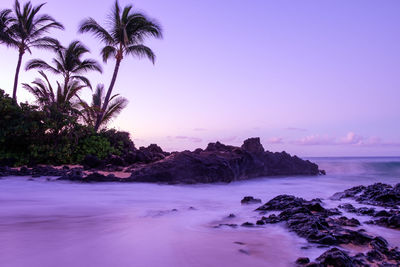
point(56, 223)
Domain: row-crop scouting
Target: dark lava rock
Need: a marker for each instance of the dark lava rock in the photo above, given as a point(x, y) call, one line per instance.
point(253, 145)
point(382, 213)
point(378, 194)
point(247, 224)
point(250, 200)
point(310, 220)
point(116, 161)
point(46, 171)
point(360, 211)
point(220, 163)
point(379, 255)
point(302, 260)
point(90, 162)
point(97, 177)
point(75, 174)
point(344, 221)
point(232, 225)
point(337, 257)
point(390, 222)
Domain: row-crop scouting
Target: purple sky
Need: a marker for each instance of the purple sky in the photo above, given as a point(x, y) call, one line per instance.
point(314, 78)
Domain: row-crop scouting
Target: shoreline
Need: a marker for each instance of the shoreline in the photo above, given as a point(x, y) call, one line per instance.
point(216, 163)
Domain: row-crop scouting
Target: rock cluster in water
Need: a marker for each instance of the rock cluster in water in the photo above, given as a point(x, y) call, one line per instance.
point(216, 163)
point(328, 227)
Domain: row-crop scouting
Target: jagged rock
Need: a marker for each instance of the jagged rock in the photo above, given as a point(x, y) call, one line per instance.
point(253, 145)
point(336, 257)
point(378, 194)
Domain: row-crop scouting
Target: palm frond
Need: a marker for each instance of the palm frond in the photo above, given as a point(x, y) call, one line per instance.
point(40, 64)
point(91, 26)
point(140, 51)
point(107, 52)
point(87, 65)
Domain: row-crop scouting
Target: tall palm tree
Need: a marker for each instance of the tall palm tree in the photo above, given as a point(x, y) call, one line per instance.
point(125, 36)
point(68, 63)
point(26, 30)
point(64, 98)
point(91, 113)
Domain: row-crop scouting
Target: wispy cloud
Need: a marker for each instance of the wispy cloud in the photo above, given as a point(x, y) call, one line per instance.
point(351, 139)
point(296, 129)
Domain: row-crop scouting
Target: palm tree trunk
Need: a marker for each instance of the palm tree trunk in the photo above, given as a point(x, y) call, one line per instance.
point(108, 95)
point(16, 76)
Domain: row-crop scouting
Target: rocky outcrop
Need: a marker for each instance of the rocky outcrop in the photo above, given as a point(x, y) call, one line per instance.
point(216, 163)
point(223, 163)
point(310, 220)
point(36, 171)
point(378, 194)
point(143, 155)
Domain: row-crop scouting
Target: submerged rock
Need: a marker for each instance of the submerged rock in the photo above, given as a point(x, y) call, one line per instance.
point(250, 200)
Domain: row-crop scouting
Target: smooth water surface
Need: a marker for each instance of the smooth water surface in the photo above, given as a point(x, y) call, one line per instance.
point(53, 223)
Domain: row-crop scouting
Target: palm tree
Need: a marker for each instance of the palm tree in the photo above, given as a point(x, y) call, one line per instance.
point(68, 63)
point(5, 21)
point(25, 29)
point(64, 98)
point(91, 113)
point(125, 36)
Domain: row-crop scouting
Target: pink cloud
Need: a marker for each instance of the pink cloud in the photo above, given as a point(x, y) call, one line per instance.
point(315, 140)
point(351, 139)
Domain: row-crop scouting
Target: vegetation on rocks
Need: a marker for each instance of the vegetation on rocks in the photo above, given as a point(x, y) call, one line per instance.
point(61, 127)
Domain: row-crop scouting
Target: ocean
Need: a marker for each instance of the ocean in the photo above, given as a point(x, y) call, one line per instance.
point(60, 223)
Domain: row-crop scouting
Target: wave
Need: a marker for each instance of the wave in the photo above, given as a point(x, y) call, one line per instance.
point(360, 166)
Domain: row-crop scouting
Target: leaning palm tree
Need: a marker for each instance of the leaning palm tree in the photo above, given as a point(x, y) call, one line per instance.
point(125, 36)
point(91, 113)
point(64, 98)
point(68, 63)
point(26, 30)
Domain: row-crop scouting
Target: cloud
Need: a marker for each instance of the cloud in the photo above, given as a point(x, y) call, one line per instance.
point(315, 140)
point(296, 129)
point(351, 139)
point(189, 138)
point(275, 140)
